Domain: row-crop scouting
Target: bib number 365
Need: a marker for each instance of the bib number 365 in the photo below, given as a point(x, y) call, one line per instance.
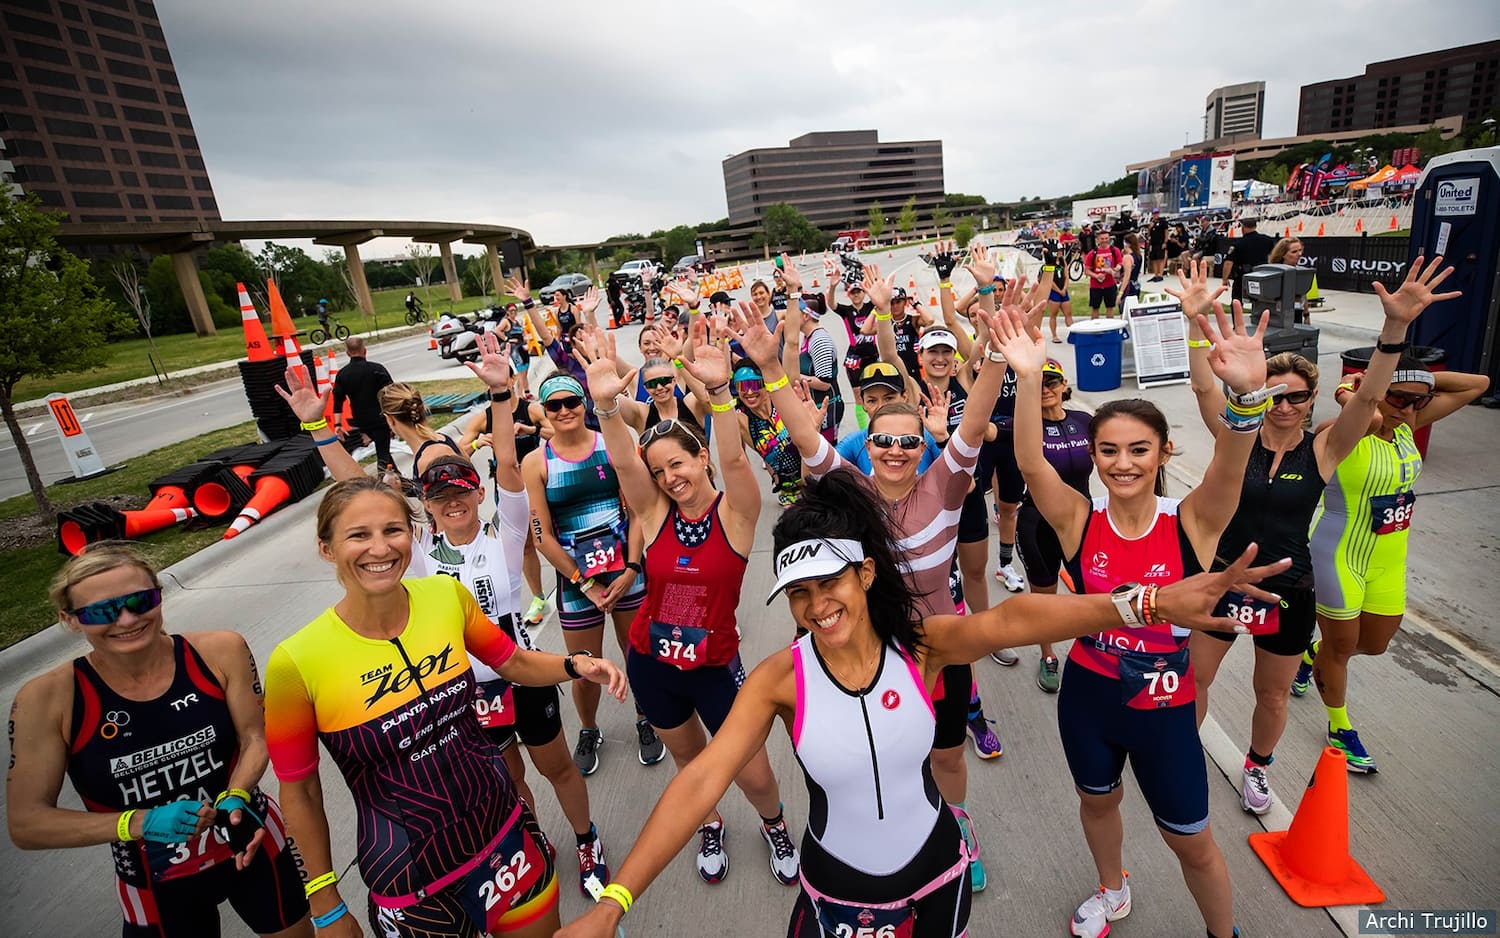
point(1392, 513)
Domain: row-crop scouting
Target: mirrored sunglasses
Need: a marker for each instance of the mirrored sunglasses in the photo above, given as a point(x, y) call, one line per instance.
point(1404, 399)
point(107, 611)
point(751, 386)
point(907, 441)
point(465, 477)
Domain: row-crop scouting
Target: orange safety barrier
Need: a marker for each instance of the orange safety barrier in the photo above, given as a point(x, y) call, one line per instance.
point(257, 346)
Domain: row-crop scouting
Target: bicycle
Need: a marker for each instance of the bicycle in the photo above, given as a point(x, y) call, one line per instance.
point(414, 316)
point(323, 332)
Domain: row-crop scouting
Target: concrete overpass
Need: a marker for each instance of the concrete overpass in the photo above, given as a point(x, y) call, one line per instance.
point(182, 239)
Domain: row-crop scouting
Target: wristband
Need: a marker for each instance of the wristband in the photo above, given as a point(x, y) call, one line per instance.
point(986, 290)
point(722, 387)
point(587, 585)
point(1242, 410)
point(528, 303)
point(773, 386)
point(1199, 343)
point(474, 446)
point(122, 826)
point(318, 882)
point(1346, 386)
point(570, 667)
point(619, 894)
point(606, 414)
point(721, 408)
point(634, 565)
point(331, 916)
point(332, 439)
point(577, 577)
point(946, 285)
point(239, 793)
point(1049, 268)
point(677, 363)
point(1392, 348)
point(884, 318)
point(500, 397)
point(320, 424)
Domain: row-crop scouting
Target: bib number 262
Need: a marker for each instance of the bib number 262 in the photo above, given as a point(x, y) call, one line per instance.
point(503, 884)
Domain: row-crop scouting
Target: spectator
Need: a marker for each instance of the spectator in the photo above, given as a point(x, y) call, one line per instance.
point(1249, 251)
point(1103, 265)
point(1156, 241)
point(359, 382)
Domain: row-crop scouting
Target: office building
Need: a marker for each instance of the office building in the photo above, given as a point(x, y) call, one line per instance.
point(92, 115)
point(1234, 112)
point(1417, 89)
point(833, 177)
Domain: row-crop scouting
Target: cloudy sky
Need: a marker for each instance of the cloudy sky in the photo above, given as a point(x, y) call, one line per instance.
point(577, 121)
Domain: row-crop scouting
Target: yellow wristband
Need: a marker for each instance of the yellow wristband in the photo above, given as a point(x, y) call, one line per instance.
point(1345, 387)
point(320, 424)
point(1199, 343)
point(880, 318)
point(946, 285)
point(239, 793)
point(773, 386)
point(620, 894)
point(721, 408)
point(318, 882)
point(677, 363)
point(122, 826)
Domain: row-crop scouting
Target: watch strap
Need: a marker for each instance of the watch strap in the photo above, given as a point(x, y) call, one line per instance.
point(1392, 348)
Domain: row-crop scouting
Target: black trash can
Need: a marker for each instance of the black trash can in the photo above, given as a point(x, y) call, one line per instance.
point(1436, 359)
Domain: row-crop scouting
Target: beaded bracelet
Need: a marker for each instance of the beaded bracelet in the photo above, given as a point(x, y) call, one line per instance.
point(320, 424)
point(318, 882)
point(773, 386)
point(619, 894)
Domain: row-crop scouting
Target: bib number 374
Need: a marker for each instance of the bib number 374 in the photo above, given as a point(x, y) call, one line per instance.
point(681, 646)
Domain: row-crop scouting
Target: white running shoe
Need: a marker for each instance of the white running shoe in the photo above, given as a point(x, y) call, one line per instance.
point(1012, 580)
point(1005, 656)
point(1255, 790)
point(785, 863)
point(713, 862)
point(1092, 918)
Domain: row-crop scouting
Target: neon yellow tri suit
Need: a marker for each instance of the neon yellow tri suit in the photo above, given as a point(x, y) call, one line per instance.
point(1359, 531)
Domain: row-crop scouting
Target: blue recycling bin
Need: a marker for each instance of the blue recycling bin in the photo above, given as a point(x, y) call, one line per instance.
point(1097, 353)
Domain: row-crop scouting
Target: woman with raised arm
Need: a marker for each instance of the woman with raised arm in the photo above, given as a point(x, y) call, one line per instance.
point(406, 415)
point(684, 656)
point(1127, 693)
point(1283, 485)
point(487, 557)
point(164, 739)
point(925, 507)
point(882, 854)
point(1360, 531)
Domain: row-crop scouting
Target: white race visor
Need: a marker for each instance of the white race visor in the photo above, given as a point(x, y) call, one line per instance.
point(813, 560)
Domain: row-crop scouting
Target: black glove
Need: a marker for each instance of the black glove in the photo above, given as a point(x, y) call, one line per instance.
point(944, 263)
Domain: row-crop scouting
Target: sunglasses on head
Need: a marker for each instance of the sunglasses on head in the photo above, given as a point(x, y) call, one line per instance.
point(451, 473)
point(907, 441)
point(556, 405)
point(1404, 399)
point(663, 427)
point(107, 611)
point(1292, 397)
point(665, 381)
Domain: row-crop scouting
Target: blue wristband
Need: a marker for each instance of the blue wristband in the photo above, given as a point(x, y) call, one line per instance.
point(331, 916)
point(330, 440)
point(986, 291)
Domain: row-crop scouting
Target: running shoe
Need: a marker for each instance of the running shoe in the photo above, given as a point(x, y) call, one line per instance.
point(713, 862)
point(586, 753)
point(978, 878)
point(593, 875)
point(652, 749)
point(1356, 759)
point(1303, 680)
point(1047, 676)
point(1092, 918)
point(539, 610)
point(986, 743)
point(1006, 657)
point(1255, 790)
point(1007, 574)
point(784, 860)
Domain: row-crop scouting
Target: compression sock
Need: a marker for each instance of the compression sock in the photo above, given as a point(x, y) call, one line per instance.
point(976, 706)
point(1007, 553)
point(1338, 719)
point(1254, 758)
point(773, 821)
point(590, 837)
point(1310, 654)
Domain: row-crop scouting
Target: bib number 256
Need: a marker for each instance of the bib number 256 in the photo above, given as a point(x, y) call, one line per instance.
point(843, 930)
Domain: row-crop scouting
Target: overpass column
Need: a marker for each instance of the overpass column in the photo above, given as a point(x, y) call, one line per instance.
point(350, 242)
point(450, 271)
point(186, 267)
point(492, 257)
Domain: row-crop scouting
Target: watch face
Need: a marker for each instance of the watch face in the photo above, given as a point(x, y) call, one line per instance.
point(1124, 588)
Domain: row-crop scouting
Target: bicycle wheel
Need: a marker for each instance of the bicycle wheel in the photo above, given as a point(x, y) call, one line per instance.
point(317, 336)
point(1075, 270)
point(412, 317)
point(341, 332)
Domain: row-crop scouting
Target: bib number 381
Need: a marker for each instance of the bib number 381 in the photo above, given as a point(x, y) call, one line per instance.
point(1392, 513)
point(1260, 617)
point(681, 646)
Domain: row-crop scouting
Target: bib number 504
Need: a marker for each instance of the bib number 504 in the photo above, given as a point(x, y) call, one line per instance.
point(496, 890)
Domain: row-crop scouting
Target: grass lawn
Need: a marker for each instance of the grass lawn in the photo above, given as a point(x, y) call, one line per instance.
point(26, 571)
point(129, 358)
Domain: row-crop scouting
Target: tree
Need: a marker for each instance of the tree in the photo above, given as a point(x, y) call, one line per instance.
point(476, 276)
point(941, 216)
point(51, 314)
point(963, 233)
point(129, 280)
point(960, 200)
point(422, 262)
point(907, 221)
point(678, 242)
point(876, 222)
point(788, 229)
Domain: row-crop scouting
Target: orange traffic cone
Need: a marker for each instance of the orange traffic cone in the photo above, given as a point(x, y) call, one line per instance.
point(1394, 226)
point(270, 492)
point(1359, 225)
point(142, 522)
point(1320, 229)
point(911, 284)
point(257, 346)
point(1299, 226)
point(281, 321)
point(1311, 859)
point(431, 340)
point(1286, 232)
point(815, 283)
point(168, 496)
point(612, 324)
point(932, 301)
point(320, 375)
point(333, 373)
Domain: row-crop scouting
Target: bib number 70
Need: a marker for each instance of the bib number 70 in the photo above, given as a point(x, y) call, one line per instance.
point(1168, 681)
point(494, 891)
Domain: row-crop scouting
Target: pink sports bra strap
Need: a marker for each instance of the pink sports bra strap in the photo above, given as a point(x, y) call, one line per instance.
point(448, 879)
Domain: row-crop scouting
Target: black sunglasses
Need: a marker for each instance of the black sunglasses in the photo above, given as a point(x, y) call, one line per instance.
point(907, 441)
point(557, 405)
point(1052, 381)
point(107, 611)
point(1404, 399)
point(1292, 397)
point(662, 382)
point(450, 474)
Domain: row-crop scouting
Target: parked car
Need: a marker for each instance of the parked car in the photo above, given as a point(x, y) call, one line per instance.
point(576, 285)
point(696, 263)
point(625, 283)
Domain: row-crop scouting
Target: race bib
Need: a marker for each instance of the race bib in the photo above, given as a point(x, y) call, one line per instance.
point(1262, 618)
point(1156, 682)
point(494, 704)
point(1392, 513)
point(194, 855)
point(599, 555)
point(497, 885)
point(681, 646)
point(842, 920)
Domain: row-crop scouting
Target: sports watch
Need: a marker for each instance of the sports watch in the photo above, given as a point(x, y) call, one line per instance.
point(1124, 597)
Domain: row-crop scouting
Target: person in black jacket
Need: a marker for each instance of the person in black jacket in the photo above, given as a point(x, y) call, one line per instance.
point(359, 382)
point(1247, 252)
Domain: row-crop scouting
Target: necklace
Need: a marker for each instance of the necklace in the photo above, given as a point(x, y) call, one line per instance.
point(864, 668)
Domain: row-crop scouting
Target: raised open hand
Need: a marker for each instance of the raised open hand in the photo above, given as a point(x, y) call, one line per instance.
point(980, 266)
point(1194, 296)
point(1021, 344)
point(493, 367)
point(877, 288)
point(790, 275)
point(1237, 358)
point(304, 399)
point(604, 380)
point(805, 394)
point(935, 405)
point(944, 260)
point(710, 363)
point(1415, 293)
point(1190, 603)
point(517, 287)
point(590, 301)
point(750, 329)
